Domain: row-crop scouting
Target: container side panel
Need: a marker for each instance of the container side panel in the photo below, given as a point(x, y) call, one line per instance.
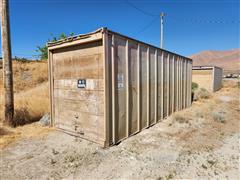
point(170, 97)
point(181, 83)
point(156, 86)
point(107, 92)
point(138, 88)
point(165, 85)
point(162, 84)
point(159, 84)
point(175, 84)
point(143, 85)
point(178, 83)
point(189, 84)
point(217, 81)
point(184, 83)
point(190, 77)
point(152, 86)
point(133, 87)
point(110, 89)
point(120, 65)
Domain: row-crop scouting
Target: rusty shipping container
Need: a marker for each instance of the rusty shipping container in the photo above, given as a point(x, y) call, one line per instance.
point(105, 86)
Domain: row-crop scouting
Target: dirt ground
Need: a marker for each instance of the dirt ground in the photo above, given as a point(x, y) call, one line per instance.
point(201, 142)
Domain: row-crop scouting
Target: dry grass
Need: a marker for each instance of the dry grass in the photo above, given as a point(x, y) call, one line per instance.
point(212, 117)
point(27, 75)
point(219, 116)
point(180, 117)
point(201, 94)
point(31, 91)
point(31, 101)
point(9, 135)
point(231, 83)
point(30, 105)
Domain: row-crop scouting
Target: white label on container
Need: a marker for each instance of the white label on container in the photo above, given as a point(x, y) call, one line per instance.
point(120, 79)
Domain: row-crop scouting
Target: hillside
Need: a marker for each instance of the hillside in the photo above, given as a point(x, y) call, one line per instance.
point(27, 74)
point(30, 90)
point(228, 60)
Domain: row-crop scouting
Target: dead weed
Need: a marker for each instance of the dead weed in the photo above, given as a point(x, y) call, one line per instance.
point(180, 118)
point(9, 135)
point(201, 93)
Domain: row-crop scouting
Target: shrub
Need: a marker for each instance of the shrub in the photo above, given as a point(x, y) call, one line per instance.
point(201, 94)
point(41, 79)
point(180, 118)
point(21, 117)
point(218, 117)
point(194, 86)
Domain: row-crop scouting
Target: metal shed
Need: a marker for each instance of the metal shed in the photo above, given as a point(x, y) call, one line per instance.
point(105, 86)
point(208, 77)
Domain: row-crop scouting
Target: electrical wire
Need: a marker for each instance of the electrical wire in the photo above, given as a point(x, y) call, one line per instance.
point(140, 10)
point(147, 26)
point(145, 13)
point(187, 20)
point(202, 21)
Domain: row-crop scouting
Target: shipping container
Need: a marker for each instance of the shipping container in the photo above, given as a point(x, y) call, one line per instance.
point(105, 86)
point(208, 77)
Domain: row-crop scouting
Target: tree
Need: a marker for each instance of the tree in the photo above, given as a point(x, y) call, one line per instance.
point(43, 50)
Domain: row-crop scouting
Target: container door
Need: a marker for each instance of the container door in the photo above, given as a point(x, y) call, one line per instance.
point(79, 90)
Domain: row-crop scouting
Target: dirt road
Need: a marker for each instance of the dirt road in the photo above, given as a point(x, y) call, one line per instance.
point(200, 142)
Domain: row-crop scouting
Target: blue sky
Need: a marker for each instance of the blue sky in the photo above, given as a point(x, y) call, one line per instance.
point(190, 26)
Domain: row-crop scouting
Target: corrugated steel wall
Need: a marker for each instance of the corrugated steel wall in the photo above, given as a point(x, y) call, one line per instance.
point(147, 85)
point(217, 78)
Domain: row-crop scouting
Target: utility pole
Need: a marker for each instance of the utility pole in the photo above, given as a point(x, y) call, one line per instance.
point(7, 64)
point(162, 14)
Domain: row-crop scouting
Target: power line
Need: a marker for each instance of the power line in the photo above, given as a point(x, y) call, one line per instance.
point(140, 10)
point(147, 25)
point(187, 20)
point(145, 13)
point(202, 21)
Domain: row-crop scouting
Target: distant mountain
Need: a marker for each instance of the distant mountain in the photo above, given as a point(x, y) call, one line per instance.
point(228, 60)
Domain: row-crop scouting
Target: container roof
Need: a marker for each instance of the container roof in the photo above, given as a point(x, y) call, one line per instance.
point(102, 30)
point(74, 38)
point(204, 67)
